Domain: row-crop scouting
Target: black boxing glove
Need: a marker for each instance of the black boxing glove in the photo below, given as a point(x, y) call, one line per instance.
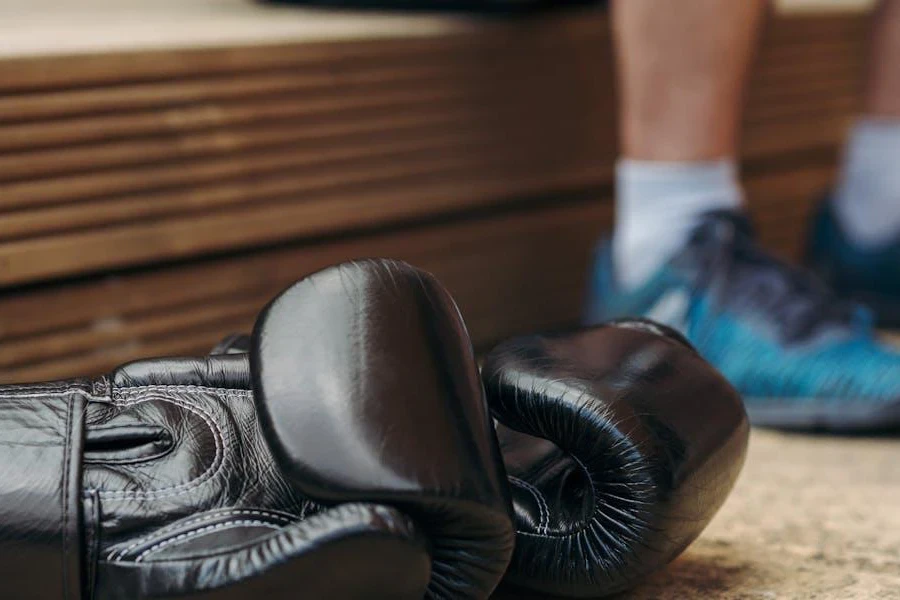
point(620, 443)
point(349, 455)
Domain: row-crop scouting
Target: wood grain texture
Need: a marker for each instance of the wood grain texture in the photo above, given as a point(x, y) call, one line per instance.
point(323, 138)
point(513, 271)
point(509, 272)
point(151, 200)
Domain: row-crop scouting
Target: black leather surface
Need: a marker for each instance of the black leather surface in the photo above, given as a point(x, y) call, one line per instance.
point(633, 443)
point(40, 490)
point(157, 481)
point(620, 442)
point(400, 415)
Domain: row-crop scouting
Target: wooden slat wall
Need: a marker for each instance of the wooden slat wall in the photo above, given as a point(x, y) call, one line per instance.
point(501, 268)
point(510, 272)
point(151, 202)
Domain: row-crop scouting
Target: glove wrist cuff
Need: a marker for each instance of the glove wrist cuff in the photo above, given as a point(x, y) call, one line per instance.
point(41, 448)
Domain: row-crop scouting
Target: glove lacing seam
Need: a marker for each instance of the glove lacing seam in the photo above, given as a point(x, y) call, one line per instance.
point(284, 518)
point(215, 467)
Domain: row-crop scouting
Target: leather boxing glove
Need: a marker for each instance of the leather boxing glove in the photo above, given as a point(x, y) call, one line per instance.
point(620, 443)
point(350, 454)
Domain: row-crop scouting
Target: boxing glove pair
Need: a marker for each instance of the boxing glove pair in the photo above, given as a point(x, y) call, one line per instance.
point(349, 453)
point(619, 443)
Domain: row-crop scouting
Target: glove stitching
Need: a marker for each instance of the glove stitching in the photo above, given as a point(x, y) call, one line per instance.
point(217, 464)
point(285, 519)
point(202, 530)
point(122, 389)
point(543, 507)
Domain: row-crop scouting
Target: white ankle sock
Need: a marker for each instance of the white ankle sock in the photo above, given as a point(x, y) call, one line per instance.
point(867, 199)
point(658, 204)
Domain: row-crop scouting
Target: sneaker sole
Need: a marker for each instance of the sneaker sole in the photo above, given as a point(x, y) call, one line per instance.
point(808, 415)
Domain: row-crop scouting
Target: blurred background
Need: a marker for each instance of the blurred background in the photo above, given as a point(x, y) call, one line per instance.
point(167, 167)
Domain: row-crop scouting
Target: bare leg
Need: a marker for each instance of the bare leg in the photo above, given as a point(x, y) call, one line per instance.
point(883, 77)
point(682, 69)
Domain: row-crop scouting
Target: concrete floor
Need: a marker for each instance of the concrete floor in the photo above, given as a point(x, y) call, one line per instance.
point(812, 517)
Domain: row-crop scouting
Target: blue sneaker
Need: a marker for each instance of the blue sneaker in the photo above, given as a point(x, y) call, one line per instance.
point(870, 276)
point(801, 358)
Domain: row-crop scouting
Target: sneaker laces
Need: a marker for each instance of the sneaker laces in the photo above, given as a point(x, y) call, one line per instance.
point(734, 267)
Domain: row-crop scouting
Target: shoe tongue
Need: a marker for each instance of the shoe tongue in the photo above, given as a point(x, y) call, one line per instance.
point(725, 224)
point(716, 234)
